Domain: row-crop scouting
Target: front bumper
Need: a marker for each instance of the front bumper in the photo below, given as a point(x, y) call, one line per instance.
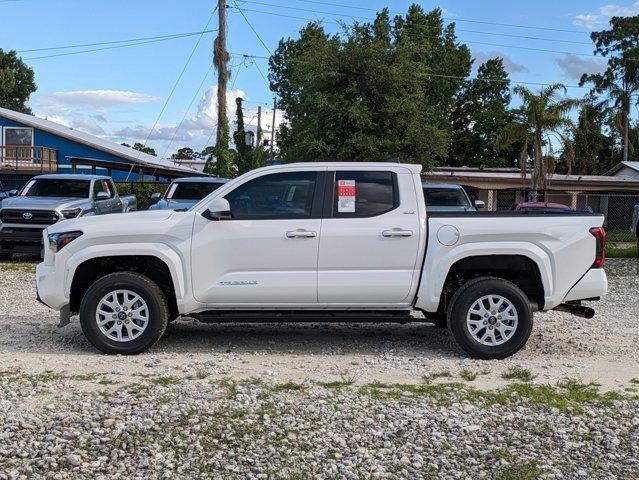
point(594, 284)
point(20, 239)
point(50, 286)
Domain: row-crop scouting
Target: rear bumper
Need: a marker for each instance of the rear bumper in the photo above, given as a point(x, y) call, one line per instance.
point(592, 285)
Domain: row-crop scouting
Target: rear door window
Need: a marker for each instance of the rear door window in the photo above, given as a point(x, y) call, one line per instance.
point(360, 194)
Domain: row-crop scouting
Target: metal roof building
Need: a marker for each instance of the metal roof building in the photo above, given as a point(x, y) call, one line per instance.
point(30, 145)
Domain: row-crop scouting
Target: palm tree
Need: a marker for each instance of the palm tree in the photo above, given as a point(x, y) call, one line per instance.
point(541, 115)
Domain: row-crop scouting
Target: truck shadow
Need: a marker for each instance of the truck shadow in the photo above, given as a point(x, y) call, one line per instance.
point(39, 335)
point(415, 338)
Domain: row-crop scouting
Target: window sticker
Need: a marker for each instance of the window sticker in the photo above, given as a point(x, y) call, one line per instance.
point(346, 193)
point(169, 194)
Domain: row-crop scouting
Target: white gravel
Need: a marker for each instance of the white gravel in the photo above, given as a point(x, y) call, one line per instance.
point(255, 401)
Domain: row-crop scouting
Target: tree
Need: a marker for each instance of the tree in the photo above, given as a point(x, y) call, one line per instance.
point(244, 151)
point(481, 112)
point(16, 82)
point(592, 148)
point(142, 148)
point(372, 92)
point(541, 115)
point(621, 79)
point(184, 153)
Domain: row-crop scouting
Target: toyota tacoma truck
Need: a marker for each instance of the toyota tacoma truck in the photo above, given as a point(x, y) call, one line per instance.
point(48, 199)
point(185, 192)
point(321, 242)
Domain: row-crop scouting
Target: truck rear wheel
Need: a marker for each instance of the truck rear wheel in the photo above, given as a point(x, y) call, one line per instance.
point(123, 313)
point(490, 318)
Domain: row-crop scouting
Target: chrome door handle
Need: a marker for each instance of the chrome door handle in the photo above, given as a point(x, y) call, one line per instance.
point(397, 232)
point(301, 234)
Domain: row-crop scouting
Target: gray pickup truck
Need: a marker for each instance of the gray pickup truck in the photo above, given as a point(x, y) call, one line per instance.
point(47, 199)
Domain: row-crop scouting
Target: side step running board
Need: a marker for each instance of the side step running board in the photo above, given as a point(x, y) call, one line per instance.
point(257, 316)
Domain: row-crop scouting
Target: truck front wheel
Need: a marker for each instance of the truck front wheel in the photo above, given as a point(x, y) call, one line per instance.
point(490, 318)
point(123, 313)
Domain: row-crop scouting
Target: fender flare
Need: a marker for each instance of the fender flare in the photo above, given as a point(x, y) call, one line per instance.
point(433, 280)
point(173, 261)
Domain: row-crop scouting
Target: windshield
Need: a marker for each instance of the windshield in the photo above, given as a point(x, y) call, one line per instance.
point(56, 187)
point(190, 190)
point(445, 197)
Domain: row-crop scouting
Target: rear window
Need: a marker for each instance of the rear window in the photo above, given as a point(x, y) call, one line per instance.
point(56, 187)
point(364, 194)
point(445, 197)
point(191, 190)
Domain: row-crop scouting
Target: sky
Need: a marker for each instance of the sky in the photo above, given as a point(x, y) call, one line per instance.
point(163, 93)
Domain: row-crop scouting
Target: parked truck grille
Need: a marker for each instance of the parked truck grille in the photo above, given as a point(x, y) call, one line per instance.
point(29, 217)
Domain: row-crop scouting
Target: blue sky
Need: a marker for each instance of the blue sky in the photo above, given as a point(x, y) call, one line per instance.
point(119, 93)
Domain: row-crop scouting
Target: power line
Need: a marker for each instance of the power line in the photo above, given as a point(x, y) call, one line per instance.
point(528, 37)
point(455, 19)
point(177, 129)
point(80, 45)
point(455, 77)
point(166, 102)
point(563, 52)
point(251, 26)
point(118, 46)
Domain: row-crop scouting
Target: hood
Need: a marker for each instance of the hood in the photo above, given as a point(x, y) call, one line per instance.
point(114, 220)
point(43, 203)
point(165, 204)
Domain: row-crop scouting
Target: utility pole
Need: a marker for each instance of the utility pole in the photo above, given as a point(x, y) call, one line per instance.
point(259, 127)
point(273, 129)
point(220, 60)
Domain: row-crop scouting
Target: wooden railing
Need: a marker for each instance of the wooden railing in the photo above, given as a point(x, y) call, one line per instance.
point(28, 159)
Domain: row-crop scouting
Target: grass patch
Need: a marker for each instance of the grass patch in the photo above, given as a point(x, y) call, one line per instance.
point(518, 373)
point(635, 381)
point(22, 267)
point(164, 381)
point(468, 374)
point(522, 471)
point(620, 235)
point(621, 252)
point(289, 387)
point(201, 374)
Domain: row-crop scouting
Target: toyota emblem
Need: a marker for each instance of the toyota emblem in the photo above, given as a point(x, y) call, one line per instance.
point(27, 215)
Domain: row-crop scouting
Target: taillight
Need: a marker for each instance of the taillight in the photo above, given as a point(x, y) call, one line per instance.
point(600, 250)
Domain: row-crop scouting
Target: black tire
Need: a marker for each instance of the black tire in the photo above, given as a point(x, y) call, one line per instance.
point(464, 299)
point(158, 312)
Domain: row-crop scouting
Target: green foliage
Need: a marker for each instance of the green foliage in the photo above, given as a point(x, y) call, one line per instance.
point(142, 148)
point(244, 151)
point(16, 82)
point(541, 115)
point(620, 44)
point(184, 153)
point(142, 191)
point(368, 94)
point(481, 112)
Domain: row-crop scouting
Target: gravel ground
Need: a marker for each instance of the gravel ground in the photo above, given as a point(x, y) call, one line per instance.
point(320, 401)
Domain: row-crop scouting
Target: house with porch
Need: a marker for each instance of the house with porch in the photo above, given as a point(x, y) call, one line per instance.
point(32, 146)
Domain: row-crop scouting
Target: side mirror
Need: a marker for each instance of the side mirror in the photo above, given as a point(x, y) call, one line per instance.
point(218, 209)
point(102, 196)
point(155, 196)
point(13, 193)
point(479, 204)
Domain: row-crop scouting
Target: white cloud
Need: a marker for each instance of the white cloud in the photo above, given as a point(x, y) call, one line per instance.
point(103, 97)
point(573, 66)
point(601, 17)
point(509, 64)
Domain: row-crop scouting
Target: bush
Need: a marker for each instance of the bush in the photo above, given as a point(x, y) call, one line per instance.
point(142, 191)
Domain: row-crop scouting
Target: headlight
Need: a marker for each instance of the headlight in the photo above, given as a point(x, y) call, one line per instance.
point(71, 213)
point(57, 241)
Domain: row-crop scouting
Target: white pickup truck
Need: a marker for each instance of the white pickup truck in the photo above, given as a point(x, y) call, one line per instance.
point(317, 242)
